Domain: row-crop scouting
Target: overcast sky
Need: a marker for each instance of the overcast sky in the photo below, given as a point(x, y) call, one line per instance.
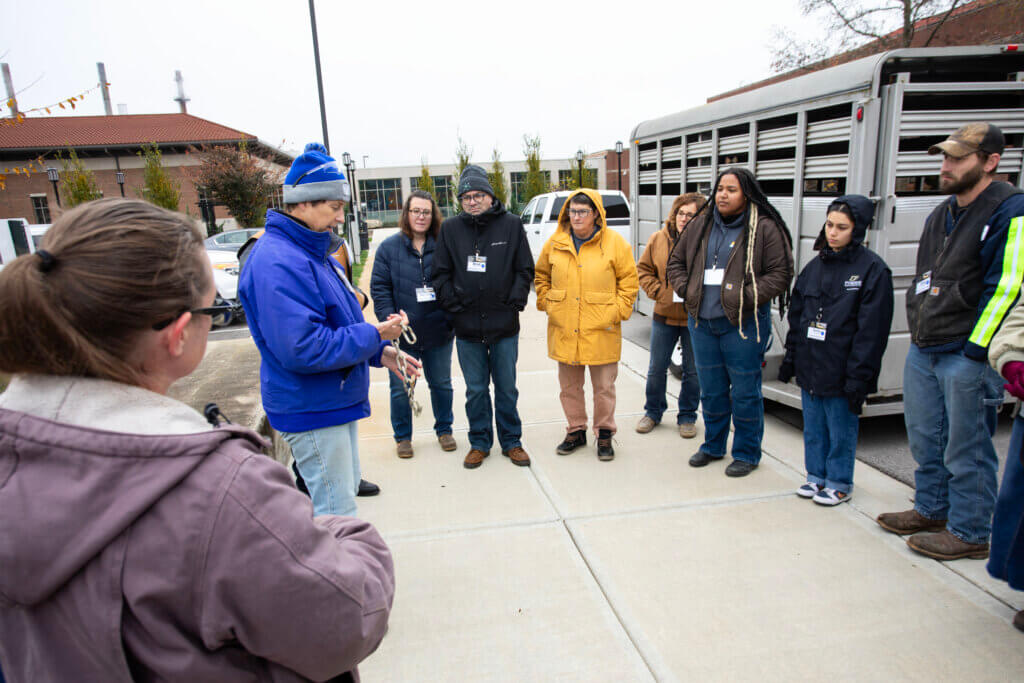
point(401, 80)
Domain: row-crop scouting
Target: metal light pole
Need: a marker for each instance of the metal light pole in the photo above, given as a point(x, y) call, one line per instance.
point(579, 160)
point(354, 236)
point(319, 76)
point(365, 157)
point(618, 150)
point(120, 181)
point(52, 174)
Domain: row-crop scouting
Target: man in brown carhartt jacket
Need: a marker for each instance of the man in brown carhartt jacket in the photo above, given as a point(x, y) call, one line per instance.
point(669, 324)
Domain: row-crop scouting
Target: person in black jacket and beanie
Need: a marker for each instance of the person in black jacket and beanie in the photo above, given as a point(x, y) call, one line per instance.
point(401, 281)
point(482, 274)
point(839, 321)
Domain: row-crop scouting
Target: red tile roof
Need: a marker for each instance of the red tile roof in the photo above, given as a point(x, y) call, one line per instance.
point(48, 132)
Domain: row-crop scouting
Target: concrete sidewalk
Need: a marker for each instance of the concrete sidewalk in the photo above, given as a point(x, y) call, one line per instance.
point(644, 568)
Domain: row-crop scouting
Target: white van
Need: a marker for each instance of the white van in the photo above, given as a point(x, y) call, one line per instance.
point(15, 239)
point(540, 217)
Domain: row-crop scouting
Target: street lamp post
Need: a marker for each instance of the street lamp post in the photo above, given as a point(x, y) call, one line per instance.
point(120, 181)
point(319, 77)
point(357, 237)
point(52, 174)
point(618, 151)
point(579, 160)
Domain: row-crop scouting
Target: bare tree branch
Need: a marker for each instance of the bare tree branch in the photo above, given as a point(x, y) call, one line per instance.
point(941, 22)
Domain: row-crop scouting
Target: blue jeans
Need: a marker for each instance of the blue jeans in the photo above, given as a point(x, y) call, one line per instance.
point(950, 404)
point(1006, 556)
point(437, 370)
point(663, 343)
point(729, 368)
point(830, 441)
point(328, 460)
point(481, 364)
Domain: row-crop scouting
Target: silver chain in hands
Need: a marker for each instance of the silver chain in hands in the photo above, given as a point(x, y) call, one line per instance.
point(410, 382)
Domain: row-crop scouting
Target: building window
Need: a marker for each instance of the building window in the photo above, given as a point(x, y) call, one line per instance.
point(565, 178)
point(382, 199)
point(277, 199)
point(442, 188)
point(518, 180)
point(41, 206)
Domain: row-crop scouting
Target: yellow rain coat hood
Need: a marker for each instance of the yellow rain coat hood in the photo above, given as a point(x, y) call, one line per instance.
point(588, 294)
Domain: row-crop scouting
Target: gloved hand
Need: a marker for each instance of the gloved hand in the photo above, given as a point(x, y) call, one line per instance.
point(786, 372)
point(1014, 373)
point(854, 401)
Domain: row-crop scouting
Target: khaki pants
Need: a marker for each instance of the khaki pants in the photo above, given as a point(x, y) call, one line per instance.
point(602, 378)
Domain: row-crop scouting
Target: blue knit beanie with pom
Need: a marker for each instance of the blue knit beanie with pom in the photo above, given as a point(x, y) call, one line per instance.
point(315, 175)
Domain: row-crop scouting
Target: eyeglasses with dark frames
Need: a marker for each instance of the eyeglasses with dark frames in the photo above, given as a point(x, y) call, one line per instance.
point(220, 313)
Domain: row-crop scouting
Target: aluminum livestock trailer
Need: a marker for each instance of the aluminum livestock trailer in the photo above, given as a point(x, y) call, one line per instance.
point(863, 127)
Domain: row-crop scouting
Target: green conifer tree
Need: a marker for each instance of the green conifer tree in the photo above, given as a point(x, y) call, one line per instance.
point(426, 182)
point(78, 184)
point(497, 178)
point(158, 187)
point(462, 154)
point(536, 183)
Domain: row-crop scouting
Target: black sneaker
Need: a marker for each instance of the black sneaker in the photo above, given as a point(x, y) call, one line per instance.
point(573, 440)
point(739, 468)
point(700, 459)
point(604, 445)
point(367, 488)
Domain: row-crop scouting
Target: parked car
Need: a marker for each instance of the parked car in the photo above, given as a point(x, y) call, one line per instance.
point(225, 276)
point(540, 217)
point(15, 239)
point(230, 240)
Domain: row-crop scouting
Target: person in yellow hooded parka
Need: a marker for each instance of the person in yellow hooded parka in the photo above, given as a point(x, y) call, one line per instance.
point(586, 282)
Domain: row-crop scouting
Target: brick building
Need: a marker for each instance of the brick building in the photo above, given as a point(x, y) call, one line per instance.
point(107, 144)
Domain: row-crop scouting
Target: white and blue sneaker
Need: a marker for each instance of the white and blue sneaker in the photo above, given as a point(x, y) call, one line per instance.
point(808, 490)
point(830, 497)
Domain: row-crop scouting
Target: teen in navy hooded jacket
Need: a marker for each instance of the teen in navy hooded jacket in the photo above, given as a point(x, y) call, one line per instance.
point(839, 324)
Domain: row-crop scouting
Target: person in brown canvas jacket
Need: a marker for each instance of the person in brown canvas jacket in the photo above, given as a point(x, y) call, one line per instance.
point(138, 543)
point(668, 325)
point(735, 256)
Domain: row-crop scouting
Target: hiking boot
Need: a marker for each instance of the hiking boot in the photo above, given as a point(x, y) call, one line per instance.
point(688, 430)
point(447, 442)
point(605, 451)
point(518, 456)
point(739, 468)
point(573, 440)
point(908, 522)
point(700, 459)
point(404, 448)
point(474, 458)
point(367, 489)
point(943, 545)
point(808, 490)
point(645, 425)
point(830, 497)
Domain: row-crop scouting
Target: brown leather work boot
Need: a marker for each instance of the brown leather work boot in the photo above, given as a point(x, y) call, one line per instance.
point(474, 458)
point(518, 456)
point(404, 449)
point(447, 442)
point(945, 546)
point(908, 522)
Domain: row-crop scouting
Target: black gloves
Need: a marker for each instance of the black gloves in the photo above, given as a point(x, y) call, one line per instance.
point(786, 372)
point(854, 401)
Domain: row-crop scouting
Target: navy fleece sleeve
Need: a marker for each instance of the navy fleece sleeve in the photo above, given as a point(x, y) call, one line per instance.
point(874, 320)
point(1002, 256)
point(443, 275)
point(380, 284)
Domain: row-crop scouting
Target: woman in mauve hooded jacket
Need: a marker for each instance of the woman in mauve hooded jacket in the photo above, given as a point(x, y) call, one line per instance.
point(139, 544)
point(586, 282)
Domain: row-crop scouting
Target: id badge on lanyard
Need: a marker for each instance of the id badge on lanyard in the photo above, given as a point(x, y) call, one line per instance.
point(924, 284)
point(425, 294)
point(476, 264)
point(816, 331)
point(714, 276)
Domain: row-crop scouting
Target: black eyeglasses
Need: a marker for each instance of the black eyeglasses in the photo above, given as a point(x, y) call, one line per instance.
point(220, 313)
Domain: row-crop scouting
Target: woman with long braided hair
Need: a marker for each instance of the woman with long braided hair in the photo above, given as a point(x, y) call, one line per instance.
point(734, 258)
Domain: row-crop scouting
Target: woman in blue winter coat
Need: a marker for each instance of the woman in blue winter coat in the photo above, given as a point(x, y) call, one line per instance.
point(839, 323)
point(401, 281)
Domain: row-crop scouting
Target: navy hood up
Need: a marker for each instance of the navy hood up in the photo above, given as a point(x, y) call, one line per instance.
point(863, 210)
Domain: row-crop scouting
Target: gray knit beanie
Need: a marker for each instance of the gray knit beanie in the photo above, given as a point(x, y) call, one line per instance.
point(474, 178)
